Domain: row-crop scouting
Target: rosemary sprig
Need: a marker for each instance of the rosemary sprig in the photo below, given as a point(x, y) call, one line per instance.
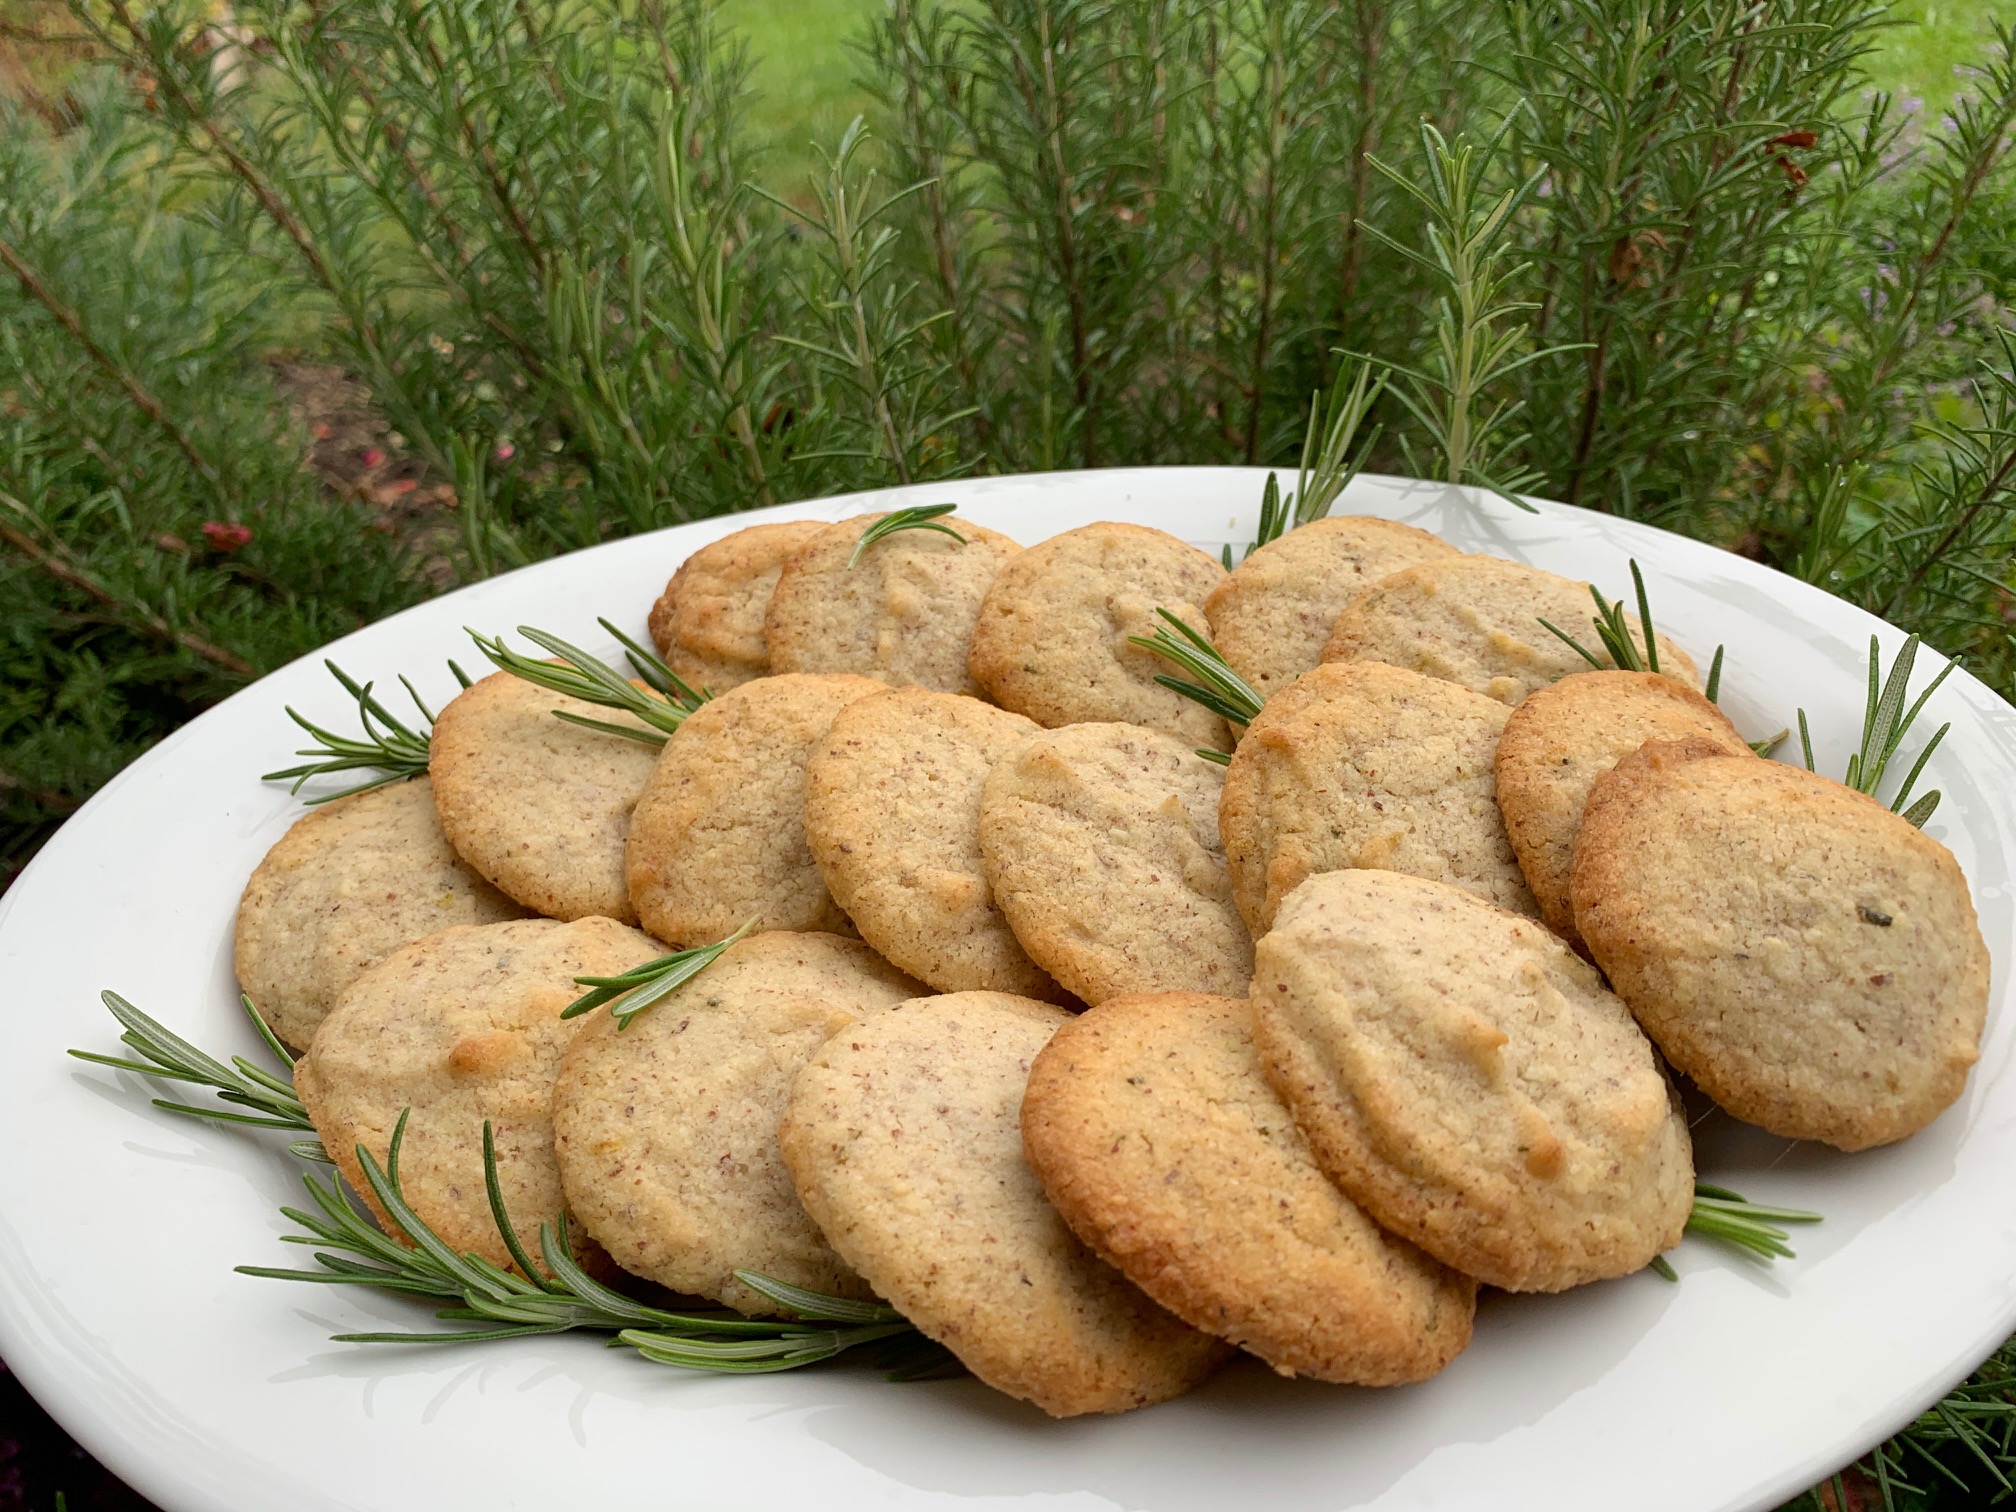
point(561, 1297)
point(1327, 467)
point(1613, 633)
point(1218, 688)
point(1885, 722)
point(916, 517)
point(388, 745)
point(641, 986)
point(579, 675)
point(1729, 1218)
point(165, 1054)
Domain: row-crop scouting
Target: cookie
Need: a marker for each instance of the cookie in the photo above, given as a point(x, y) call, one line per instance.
point(1101, 844)
point(718, 838)
point(1052, 638)
point(666, 1127)
point(903, 613)
point(349, 884)
point(1158, 1138)
point(1470, 1082)
point(1272, 617)
point(461, 1027)
point(1564, 736)
point(1475, 621)
point(903, 1135)
point(1358, 764)
point(538, 806)
point(1809, 958)
point(708, 623)
point(892, 812)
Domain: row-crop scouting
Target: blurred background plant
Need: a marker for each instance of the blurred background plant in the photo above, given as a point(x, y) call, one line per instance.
point(310, 308)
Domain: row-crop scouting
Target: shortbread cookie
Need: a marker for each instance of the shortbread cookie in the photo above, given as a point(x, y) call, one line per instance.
point(709, 621)
point(666, 1126)
point(1476, 621)
point(1158, 1138)
point(1358, 764)
point(903, 613)
point(538, 806)
point(718, 838)
point(904, 1138)
point(1101, 844)
point(892, 811)
point(1470, 1082)
point(1052, 638)
point(1809, 958)
point(1272, 617)
point(349, 884)
point(461, 1027)
point(1560, 739)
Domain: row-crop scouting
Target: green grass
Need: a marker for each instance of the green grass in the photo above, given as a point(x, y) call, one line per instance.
point(1932, 38)
point(807, 79)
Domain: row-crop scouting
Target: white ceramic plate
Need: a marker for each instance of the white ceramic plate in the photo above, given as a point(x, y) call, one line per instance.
point(212, 1392)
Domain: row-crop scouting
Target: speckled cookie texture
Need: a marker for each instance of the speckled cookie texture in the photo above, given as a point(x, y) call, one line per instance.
point(1358, 764)
point(1560, 739)
point(349, 884)
point(904, 1138)
point(904, 613)
point(461, 1027)
point(666, 1127)
point(538, 806)
point(708, 623)
point(1272, 617)
point(1052, 641)
point(1158, 1138)
point(1101, 843)
point(718, 838)
point(1470, 1082)
point(1806, 956)
point(892, 812)
point(1475, 621)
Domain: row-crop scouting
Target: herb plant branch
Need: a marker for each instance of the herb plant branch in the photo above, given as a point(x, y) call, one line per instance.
point(662, 706)
point(631, 992)
point(388, 745)
point(915, 517)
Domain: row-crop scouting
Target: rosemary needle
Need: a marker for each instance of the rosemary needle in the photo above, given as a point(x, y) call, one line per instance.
point(662, 704)
point(388, 744)
point(1729, 1218)
point(1217, 687)
point(641, 986)
point(916, 517)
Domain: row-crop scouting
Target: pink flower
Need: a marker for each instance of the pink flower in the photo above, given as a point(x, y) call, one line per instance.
point(373, 456)
point(505, 451)
point(226, 537)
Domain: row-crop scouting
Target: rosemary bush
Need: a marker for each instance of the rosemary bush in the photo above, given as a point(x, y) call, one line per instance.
point(1677, 261)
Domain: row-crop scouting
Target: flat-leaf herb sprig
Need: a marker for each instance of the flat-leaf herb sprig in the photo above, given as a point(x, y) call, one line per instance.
point(388, 745)
point(662, 704)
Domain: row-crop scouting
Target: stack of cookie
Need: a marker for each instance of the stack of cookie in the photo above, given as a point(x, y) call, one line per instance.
point(1093, 1056)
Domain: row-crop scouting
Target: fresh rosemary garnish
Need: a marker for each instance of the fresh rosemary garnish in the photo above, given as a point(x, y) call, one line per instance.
point(388, 745)
point(641, 986)
point(916, 517)
point(165, 1054)
point(563, 1297)
point(1326, 469)
point(1729, 1218)
point(578, 675)
point(1218, 688)
point(1885, 723)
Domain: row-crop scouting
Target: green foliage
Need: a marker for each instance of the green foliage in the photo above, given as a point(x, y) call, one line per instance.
point(1680, 262)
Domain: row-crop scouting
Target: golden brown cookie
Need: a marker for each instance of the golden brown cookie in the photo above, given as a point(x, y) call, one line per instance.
point(1272, 617)
point(1564, 736)
point(1809, 958)
point(892, 811)
point(903, 613)
point(538, 806)
point(708, 623)
point(904, 1138)
point(1475, 621)
point(666, 1126)
point(349, 884)
point(1158, 1138)
point(1358, 764)
point(1052, 638)
point(1470, 1082)
point(1101, 844)
point(718, 838)
point(461, 1027)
